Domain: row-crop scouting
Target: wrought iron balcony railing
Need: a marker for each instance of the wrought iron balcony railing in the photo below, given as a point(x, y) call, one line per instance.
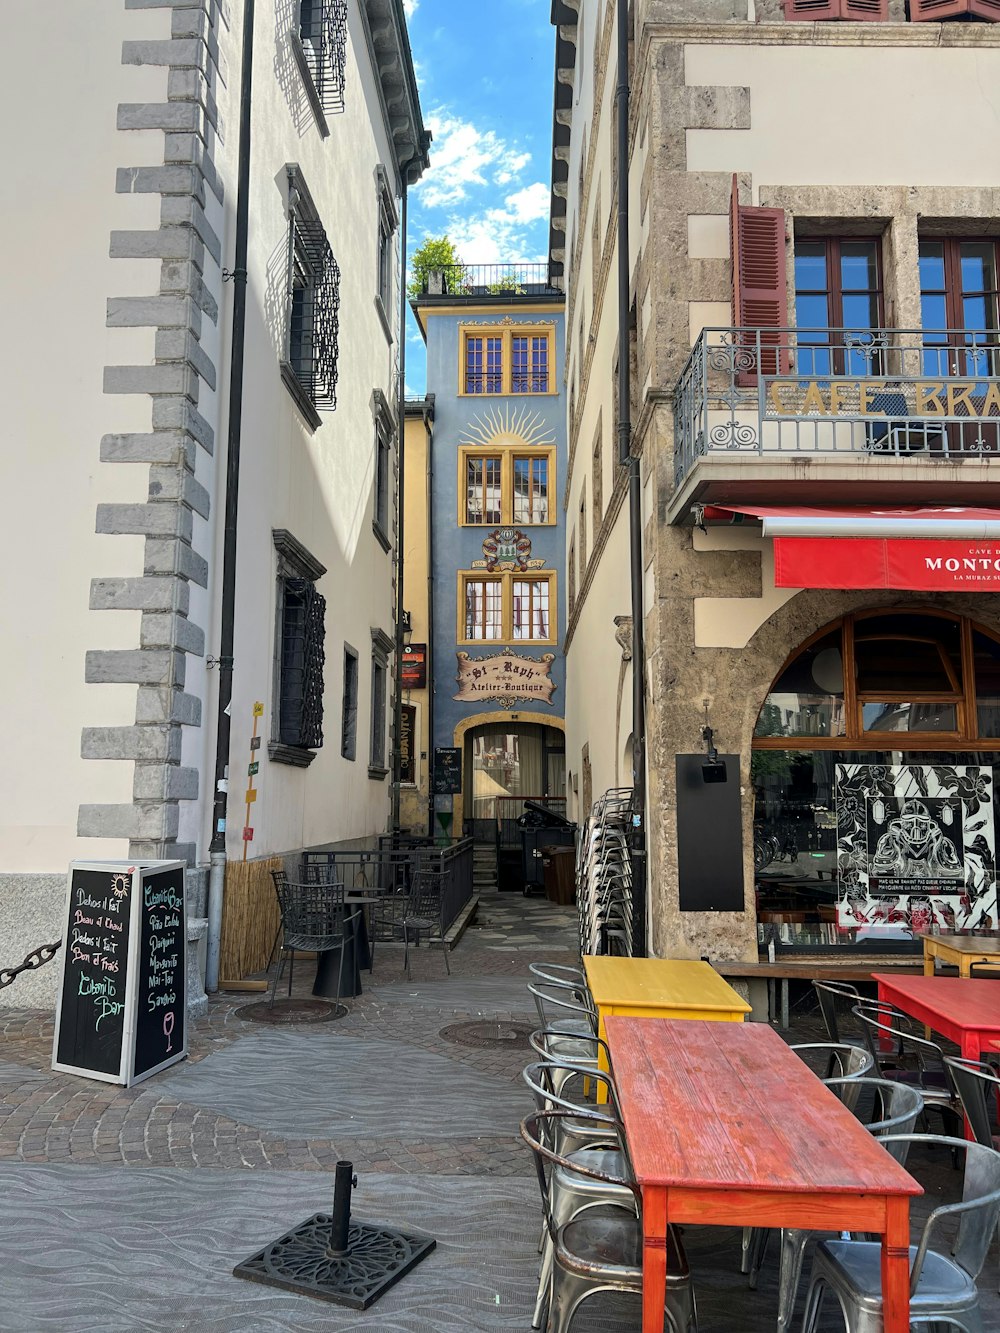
point(478, 280)
point(899, 392)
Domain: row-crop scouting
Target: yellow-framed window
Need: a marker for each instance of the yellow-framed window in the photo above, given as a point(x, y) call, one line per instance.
point(530, 489)
point(506, 486)
point(506, 608)
point(532, 608)
point(513, 359)
point(481, 604)
point(483, 489)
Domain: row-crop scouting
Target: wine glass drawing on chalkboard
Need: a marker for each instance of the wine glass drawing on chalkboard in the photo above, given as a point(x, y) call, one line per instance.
point(168, 1027)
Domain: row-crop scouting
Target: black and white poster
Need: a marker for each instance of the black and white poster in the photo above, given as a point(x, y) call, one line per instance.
point(916, 848)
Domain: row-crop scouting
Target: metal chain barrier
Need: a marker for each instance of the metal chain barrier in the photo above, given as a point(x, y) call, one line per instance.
point(36, 959)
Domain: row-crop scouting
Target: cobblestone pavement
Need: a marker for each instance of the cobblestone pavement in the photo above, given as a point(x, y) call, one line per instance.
point(237, 1144)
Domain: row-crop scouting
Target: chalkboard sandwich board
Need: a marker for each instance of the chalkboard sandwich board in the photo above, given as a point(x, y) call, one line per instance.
point(121, 1013)
point(447, 770)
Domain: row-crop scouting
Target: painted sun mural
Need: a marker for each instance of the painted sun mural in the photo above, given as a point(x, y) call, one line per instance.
point(508, 424)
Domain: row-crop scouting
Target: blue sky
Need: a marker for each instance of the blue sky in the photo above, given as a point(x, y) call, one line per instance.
point(485, 80)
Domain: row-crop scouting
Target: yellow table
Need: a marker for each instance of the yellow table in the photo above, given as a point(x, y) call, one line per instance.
point(660, 988)
point(962, 951)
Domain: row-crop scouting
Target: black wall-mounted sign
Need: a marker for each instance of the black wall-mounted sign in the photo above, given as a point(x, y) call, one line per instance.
point(709, 837)
point(407, 744)
point(447, 771)
point(122, 1008)
point(415, 667)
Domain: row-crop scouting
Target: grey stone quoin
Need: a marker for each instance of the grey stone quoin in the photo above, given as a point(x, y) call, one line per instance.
point(190, 284)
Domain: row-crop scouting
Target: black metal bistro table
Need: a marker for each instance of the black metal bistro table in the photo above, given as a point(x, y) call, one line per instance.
point(357, 954)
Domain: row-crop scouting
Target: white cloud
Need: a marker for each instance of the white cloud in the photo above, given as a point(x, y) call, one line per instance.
point(410, 7)
point(463, 157)
point(531, 203)
point(499, 235)
point(515, 163)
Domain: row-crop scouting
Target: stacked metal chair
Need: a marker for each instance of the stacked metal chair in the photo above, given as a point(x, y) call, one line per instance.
point(604, 876)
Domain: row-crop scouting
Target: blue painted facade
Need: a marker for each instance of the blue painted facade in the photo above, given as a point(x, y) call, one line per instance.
point(478, 421)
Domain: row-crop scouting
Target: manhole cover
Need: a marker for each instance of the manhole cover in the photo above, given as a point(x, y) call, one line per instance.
point(291, 1011)
point(498, 1034)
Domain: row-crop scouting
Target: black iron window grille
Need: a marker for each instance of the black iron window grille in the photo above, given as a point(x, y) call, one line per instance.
point(314, 325)
point(323, 37)
point(303, 628)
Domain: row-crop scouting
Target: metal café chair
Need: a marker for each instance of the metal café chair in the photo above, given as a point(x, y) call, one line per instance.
point(312, 918)
point(847, 1064)
point(421, 916)
point(976, 1082)
point(557, 1008)
point(589, 1135)
point(910, 1058)
point(894, 1111)
point(942, 1286)
point(600, 1248)
point(827, 994)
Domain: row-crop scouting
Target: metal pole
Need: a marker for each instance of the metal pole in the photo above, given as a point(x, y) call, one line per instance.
point(627, 459)
point(397, 711)
point(344, 1181)
point(217, 874)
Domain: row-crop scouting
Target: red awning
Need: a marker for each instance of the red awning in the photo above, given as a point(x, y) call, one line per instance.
point(942, 549)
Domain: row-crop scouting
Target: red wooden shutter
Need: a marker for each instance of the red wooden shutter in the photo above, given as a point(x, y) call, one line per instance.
point(986, 9)
point(928, 11)
point(871, 11)
point(807, 10)
point(760, 292)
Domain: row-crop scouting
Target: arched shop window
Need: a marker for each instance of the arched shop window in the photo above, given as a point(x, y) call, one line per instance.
point(875, 766)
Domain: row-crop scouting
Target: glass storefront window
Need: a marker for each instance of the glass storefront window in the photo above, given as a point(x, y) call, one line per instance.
point(936, 716)
point(808, 697)
point(856, 840)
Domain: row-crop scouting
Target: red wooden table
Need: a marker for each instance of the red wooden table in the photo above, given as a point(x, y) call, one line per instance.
point(966, 1010)
point(726, 1126)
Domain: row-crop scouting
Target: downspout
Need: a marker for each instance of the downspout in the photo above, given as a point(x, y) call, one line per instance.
point(397, 711)
point(428, 423)
point(627, 458)
point(217, 872)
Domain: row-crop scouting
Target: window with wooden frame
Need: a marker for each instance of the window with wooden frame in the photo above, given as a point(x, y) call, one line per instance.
point(838, 291)
point(571, 575)
point(960, 306)
point(760, 288)
point(506, 608)
point(880, 680)
point(504, 487)
point(382, 646)
point(857, 11)
point(582, 533)
point(513, 360)
point(931, 11)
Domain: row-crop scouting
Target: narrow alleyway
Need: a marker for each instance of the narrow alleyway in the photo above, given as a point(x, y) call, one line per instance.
point(130, 1207)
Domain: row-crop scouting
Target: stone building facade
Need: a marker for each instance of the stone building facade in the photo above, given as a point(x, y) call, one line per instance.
point(756, 201)
point(119, 392)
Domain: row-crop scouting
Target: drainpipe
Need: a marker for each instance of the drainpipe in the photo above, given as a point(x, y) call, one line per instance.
point(397, 712)
point(428, 425)
point(628, 459)
point(217, 872)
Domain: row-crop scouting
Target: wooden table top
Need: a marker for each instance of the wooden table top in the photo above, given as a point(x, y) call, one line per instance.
point(974, 944)
point(964, 1001)
point(660, 983)
point(728, 1106)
